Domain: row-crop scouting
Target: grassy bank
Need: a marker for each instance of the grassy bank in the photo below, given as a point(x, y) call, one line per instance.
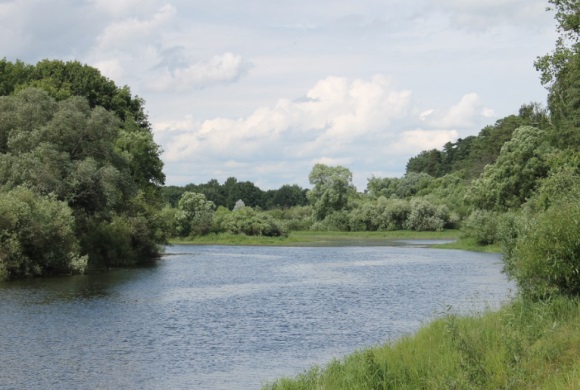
point(522, 346)
point(304, 238)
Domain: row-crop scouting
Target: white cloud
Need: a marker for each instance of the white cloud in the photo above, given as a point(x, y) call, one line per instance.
point(334, 114)
point(412, 142)
point(125, 33)
point(117, 8)
point(218, 70)
point(465, 114)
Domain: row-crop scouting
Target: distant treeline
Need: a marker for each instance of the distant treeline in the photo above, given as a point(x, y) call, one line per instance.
point(232, 190)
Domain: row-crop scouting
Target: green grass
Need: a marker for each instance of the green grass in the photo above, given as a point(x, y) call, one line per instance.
point(304, 238)
point(522, 346)
point(469, 244)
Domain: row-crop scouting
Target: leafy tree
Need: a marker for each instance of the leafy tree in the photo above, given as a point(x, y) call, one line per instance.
point(67, 150)
point(332, 187)
point(287, 196)
point(194, 214)
point(560, 72)
point(404, 187)
point(37, 236)
point(428, 161)
point(516, 173)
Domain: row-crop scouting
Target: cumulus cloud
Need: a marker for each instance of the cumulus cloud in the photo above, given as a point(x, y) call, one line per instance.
point(218, 70)
point(333, 114)
point(414, 141)
point(122, 34)
point(337, 122)
point(464, 114)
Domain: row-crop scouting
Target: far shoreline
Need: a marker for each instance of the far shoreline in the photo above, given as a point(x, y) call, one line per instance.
point(332, 238)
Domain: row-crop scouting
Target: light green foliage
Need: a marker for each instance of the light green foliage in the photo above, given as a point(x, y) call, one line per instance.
point(294, 218)
point(542, 246)
point(380, 215)
point(404, 187)
point(482, 226)
point(544, 258)
point(425, 216)
point(334, 221)
point(194, 215)
point(332, 187)
point(514, 176)
point(37, 236)
point(247, 220)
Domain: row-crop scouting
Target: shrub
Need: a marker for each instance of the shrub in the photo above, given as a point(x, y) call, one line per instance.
point(37, 236)
point(481, 225)
point(394, 215)
point(542, 252)
point(248, 221)
point(335, 221)
point(425, 216)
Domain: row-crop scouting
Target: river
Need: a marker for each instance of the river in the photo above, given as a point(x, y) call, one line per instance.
point(211, 317)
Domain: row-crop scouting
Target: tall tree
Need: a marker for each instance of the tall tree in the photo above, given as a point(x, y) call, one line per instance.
point(560, 73)
point(332, 187)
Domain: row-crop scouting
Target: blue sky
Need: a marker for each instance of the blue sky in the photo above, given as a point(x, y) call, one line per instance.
point(262, 89)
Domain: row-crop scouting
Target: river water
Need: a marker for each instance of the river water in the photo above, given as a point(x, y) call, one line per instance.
point(211, 317)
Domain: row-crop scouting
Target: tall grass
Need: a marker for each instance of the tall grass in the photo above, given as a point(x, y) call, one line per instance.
point(523, 345)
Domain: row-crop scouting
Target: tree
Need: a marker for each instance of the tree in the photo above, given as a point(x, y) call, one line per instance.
point(194, 214)
point(511, 180)
point(67, 151)
point(560, 73)
point(332, 189)
point(37, 236)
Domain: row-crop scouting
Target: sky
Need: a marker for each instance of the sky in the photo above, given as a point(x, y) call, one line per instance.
point(262, 90)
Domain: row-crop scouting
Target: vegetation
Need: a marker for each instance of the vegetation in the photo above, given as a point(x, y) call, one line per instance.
point(524, 345)
point(78, 168)
point(516, 186)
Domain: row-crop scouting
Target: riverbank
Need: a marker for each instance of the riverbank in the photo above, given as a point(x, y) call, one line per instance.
point(522, 346)
point(315, 238)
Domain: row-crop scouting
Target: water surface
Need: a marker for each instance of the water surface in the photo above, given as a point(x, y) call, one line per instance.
point(210, 317)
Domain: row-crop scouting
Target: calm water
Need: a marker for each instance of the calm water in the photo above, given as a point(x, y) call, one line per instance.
point(229, 317)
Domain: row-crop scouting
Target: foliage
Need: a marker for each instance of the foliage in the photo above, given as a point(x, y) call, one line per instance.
point(294, 218)
point(232, 190)
point(514, 176)
point(37, 236)
point(404, 187)
point(425, 216)
point(560, 72)
point(481, 225)
point(248, 221)
point(332, 188)
point(542, 247)
point(78, 139)
point(524, 345)
point(473, 153)
point(194, 215)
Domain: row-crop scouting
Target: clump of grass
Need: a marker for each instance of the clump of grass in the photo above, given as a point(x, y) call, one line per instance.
point(523, 345)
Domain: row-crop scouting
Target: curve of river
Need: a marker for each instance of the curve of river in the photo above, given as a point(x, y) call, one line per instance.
point(210, 317)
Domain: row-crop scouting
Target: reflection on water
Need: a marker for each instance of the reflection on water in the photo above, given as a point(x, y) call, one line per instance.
point(229, 317)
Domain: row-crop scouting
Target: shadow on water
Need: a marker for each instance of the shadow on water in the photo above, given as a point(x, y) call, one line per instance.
point(66, 288)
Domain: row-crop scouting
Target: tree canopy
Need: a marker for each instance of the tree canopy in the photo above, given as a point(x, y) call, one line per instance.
point(73, 142)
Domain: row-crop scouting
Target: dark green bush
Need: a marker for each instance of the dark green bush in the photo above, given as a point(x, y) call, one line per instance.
point(37, 236)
